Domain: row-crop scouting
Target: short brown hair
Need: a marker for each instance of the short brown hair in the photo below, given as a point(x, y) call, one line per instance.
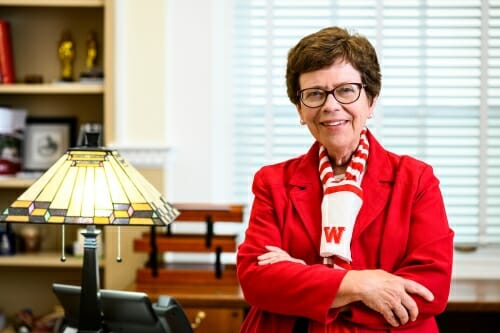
point(321, 49)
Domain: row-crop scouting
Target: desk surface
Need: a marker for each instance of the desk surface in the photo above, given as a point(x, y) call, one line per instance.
point(474, 295)
point(466, 295)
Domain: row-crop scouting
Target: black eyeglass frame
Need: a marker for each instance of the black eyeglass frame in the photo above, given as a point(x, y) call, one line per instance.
point(332, 92)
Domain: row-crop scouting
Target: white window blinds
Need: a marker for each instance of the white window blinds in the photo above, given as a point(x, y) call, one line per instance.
point(440, 98)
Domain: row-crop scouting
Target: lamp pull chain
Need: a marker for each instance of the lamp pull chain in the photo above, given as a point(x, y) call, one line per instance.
point(119, 256)
point(63, 254)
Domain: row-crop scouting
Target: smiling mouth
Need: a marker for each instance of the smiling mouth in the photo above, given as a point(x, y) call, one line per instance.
point(335, 123)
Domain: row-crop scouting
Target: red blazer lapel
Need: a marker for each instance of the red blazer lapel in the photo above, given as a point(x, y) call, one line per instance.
point(306, 194)
point(376, 184)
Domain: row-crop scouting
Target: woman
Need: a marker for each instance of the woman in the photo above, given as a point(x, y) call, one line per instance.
point(348, 237)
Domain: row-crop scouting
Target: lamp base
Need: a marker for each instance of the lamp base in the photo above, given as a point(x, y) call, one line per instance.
point(90, 319)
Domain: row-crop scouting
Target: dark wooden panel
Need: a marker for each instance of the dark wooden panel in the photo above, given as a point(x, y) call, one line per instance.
point(216, 212)
point(186, 243)
point(191, 274)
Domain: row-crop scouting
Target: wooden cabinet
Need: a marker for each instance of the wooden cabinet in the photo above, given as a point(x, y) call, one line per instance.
point(209, 320)
point(36, 28)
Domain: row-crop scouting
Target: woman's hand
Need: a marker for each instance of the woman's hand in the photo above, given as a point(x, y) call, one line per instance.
point(275, 255)
point(383, 292)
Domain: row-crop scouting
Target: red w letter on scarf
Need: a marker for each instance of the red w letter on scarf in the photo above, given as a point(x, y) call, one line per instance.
point(333, 232)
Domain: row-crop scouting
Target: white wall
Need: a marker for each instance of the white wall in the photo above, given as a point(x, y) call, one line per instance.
point(139, 73)
point(197, 68)
point(170, 84)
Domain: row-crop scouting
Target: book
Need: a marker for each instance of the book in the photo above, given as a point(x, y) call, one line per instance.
point(6, 57)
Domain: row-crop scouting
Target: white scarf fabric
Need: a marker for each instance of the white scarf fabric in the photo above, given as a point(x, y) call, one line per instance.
point(342, 200)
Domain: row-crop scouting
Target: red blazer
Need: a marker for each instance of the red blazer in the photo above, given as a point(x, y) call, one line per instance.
point(401, 228)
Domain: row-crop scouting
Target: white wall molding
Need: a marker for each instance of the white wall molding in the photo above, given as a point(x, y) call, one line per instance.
point(146, 157)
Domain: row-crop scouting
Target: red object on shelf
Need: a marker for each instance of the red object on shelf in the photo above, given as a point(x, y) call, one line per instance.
point(6, 57)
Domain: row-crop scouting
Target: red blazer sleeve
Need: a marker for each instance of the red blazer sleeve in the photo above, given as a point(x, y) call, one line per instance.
point(284, 288)
point(421, 225)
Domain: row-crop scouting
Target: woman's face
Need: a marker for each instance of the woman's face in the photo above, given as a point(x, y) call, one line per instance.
point(336, 126)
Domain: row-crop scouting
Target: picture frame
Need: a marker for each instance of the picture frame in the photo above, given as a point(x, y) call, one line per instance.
point(46, 140)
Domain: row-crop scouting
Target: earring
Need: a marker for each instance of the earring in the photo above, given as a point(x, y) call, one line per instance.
point(302, 122)
point(370, 116)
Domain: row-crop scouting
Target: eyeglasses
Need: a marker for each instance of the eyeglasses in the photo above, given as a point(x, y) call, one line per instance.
point(346, 93)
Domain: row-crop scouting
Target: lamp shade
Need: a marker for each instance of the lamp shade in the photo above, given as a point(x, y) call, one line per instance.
point(91, 185)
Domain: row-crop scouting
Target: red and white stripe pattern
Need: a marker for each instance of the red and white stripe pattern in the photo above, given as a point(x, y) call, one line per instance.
point(342, 199)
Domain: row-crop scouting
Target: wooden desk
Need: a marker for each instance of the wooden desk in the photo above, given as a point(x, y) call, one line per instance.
point(190, 295)
point(474, 295)
point(470, 302)
point(473, 306)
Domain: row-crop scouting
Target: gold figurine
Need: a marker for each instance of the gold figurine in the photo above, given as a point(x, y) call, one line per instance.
point(91, 60)
point(66, 56)
point(92, 73)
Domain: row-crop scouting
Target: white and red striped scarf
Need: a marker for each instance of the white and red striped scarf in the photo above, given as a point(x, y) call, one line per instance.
point(341, 203)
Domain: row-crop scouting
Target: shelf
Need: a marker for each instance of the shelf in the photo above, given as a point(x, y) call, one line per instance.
point(15, 183)
point(42, 259)
point(53, 3)
point(52, 88)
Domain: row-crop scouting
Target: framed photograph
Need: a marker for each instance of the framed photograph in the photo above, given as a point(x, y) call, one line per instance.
point(45, 140)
